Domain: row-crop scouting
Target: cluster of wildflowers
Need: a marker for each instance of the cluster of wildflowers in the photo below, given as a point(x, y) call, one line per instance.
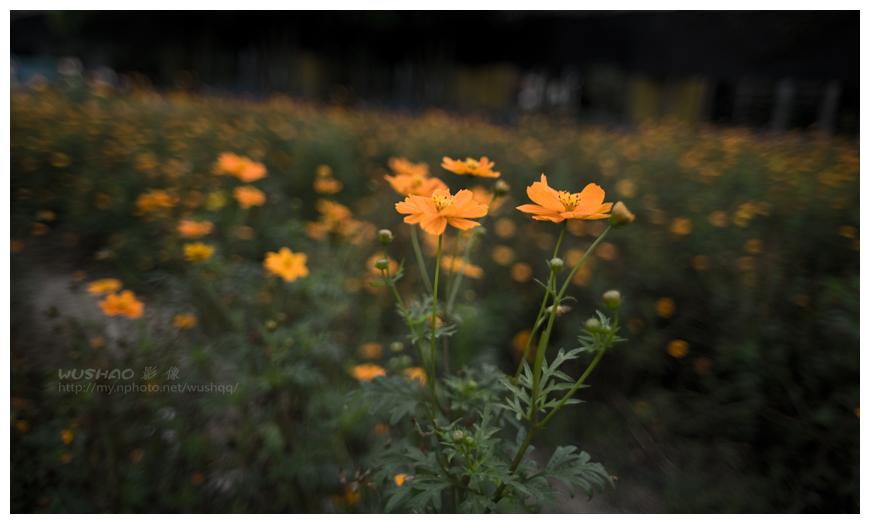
point(115, 303)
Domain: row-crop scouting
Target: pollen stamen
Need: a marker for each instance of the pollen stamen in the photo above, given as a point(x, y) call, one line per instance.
point(569, 200)
point(442, 201)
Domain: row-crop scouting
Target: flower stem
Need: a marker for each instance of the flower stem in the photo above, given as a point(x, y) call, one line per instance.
point(466, 253)
point(434, 316)
point(420, 262)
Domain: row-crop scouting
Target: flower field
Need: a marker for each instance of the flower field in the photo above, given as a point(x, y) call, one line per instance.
point(234, 243)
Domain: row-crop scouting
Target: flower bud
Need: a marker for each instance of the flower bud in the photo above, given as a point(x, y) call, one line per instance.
point(612, 299)
point(271, 325)
point(469, 440)
point(501, 187)
point(458, 436)
point(593, 325)
point(382, 264)
point(620, 216)
point(480, 231)
point(397, 347)
point(556, 264)
point(385, 236)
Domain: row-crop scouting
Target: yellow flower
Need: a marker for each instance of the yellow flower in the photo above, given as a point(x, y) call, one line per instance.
point(521, 272)
point(678, 348)
point(67, 436)
point(665, 307)
point(371, 350)
point(216, 200)
point(400, 479)
point(557, 206)
point(433, 214)
point(681, 226)
point(154, 199)
point(97, 342)
point(286, 265)
point(198, 252)
point(503, 255)
point(366, 372)
point(327, 186)
point(416, 374)
point(249, 196)
point(184, 321)
point(104, 286)
point(505, 228)
point(718, 218)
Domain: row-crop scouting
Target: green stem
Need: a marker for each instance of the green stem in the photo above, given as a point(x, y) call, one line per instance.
point(434, 316)
point(586, 254)
point(465, 255)
point(451, 280)
point(577, 385)
point(420, 262)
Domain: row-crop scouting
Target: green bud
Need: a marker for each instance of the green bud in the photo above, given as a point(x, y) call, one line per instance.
point(469, 440)
point(397, 347)
point(385, 236)
point(620, 216)
point(458, 436)
point(593, 324)
point(612, 299)
point(556, 264)
point(271, 325)
point(501, 187)
point(382, 264)
point(480, 231)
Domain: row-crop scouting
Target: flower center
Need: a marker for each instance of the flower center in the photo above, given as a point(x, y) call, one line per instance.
point(416, 181)
point(570, 200)
point(472, 163)
point(442, 201)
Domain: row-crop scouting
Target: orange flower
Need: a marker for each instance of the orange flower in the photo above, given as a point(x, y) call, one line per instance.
point(367, 372)
point(198, 252)
point(416, 374)
point(240, 167)
point(433, 214)
point(333, 213)
point(249, 196)
point(557, 206)
point(184, 321)
point(123, 304)
point(104, 286)
point(192, 229)
point(470, 166)
point(286, 265)
point(415, 184)
point(400, 478)
point(327, 186)
point(153, 199)
point(402, 166)
point(227, 163)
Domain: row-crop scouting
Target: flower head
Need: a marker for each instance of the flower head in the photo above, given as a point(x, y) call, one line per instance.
point(124, 303)
point(413, 374)
point(286, 264)
point(367, 372)
point(402, 166)
point(434, 213)
point(198, 252)
point(327, 186)
point(470, 166)
point(557, 206)
point(415, 184)
point(184, 321)
point(193, 229)
point(154, 199)
point(248, 196)
point(104, 286)
point(240, 167)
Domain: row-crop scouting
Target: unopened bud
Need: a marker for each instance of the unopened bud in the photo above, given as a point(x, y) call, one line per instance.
point(397, 347)
point(556, 264)
point(593, 324)
point(612, 299)
point(501, 187)
point(271, 325)
point(382, 264)
point(385, 236)
point(469, 440)
point(480, 231)
point(458, 436)
point(620, 216)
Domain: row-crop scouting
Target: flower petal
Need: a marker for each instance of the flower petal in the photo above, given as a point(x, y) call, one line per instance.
point(461, 223)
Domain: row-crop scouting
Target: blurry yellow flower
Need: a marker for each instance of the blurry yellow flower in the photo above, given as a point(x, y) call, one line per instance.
point(582, 276)
point(505, 228)
point(681, 226)
point(327, 186)
point(452, 265)
point(286, 264)
point(745, 263)
point(402, 166)
point(521, 272)
point(45, 216)
point(333, 213)
point(244, 232)
point(216, 200)
point(718, 218)
point(193, 230)
point(39, 229)
point(481, 168)
point(122, 304)
point(700, 262)
point(371, 350)
point(520, 340)
point(324, 171)
point(67, 436)
point(184, 321)
point(848, 232)
point(607, 251)
point(754, 246)
point(60, 160)
point(315, 230)
point(416, 374)
point(104, 286)
point(678, 348)
point(17, 246)
point(249, 196)
point(381, 429)
point(626, 188)
point(366, 372)
point(198, 252)
point(22, 426)
point(665, 307)
point(415, 184)
point(503, 255)
point(97, 342)
point(242, 168)
point(154, 199)
point(400, 479)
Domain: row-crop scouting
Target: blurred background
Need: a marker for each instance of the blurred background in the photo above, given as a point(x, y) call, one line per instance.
point(733, 136)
